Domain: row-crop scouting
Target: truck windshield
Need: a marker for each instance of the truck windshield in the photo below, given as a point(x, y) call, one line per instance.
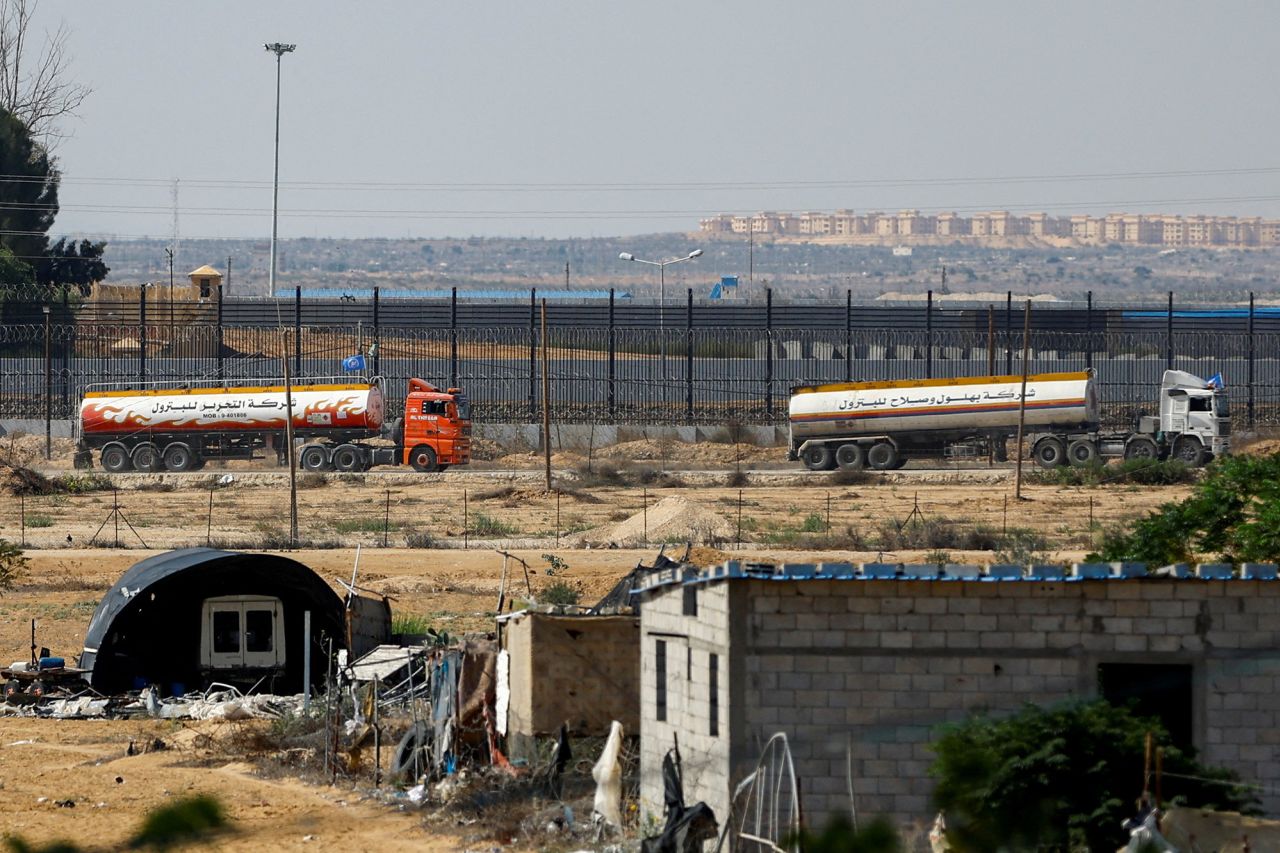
point(1220, 407)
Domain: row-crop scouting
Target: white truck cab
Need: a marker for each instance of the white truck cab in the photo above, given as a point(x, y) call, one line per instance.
point(1195, 414)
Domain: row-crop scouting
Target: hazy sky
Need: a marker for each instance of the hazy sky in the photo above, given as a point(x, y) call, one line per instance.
point(602, 118)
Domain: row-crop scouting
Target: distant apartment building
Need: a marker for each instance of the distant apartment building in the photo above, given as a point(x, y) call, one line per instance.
point(905, 225)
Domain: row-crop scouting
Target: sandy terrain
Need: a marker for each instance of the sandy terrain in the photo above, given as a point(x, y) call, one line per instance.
point(964, 517)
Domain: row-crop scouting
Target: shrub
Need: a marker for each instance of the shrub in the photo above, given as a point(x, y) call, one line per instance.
point(560, 592)
point(487, 525)
point(79, 484)
point(813, 523)
point(179, 823)
point(419, 539)
point(1061, 778)
point(1023, 547)
point(363, 525)
point(312, 480)
point(38, 521)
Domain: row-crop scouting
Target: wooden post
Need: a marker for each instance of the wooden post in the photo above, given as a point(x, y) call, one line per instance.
point(1022, 400)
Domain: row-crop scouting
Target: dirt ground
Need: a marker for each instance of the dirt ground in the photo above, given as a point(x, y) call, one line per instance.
point(450, 579)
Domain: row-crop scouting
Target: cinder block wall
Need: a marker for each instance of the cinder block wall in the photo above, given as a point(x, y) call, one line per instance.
point(580, 670)
point(868, 669)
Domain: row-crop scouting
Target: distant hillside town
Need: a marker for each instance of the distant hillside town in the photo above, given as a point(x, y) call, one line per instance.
point(1002, 228)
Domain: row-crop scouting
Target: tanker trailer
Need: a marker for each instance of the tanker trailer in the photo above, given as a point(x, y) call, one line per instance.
point(878, 424)
point(153, 426)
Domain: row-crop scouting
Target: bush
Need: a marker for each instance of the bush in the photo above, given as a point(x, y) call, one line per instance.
point(362, 525)
point(80, 484)
point(38, 521)
point(1023, 547)
point(1061, 779)
point(560, 592)
point(312, 480)
point(419, 539)
point(487, 525)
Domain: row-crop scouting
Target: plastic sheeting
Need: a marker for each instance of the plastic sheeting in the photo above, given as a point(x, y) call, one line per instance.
point(608, 776)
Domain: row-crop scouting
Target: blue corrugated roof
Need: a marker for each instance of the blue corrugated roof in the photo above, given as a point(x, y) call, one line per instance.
point(957, 573)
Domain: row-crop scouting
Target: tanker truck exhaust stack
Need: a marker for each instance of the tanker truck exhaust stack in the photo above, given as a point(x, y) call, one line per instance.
point(880, 424)
point(163, 426)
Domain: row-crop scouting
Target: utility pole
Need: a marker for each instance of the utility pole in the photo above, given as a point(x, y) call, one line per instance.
point(48, 392)
point(566, 275)
point(288, 432)
point(226, 285)
point(1022, 401)
point(279, 50)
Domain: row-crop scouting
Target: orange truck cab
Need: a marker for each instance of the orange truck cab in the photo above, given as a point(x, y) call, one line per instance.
point(437, 427)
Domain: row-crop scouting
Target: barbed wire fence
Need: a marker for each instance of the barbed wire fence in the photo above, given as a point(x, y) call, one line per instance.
point(676, 374)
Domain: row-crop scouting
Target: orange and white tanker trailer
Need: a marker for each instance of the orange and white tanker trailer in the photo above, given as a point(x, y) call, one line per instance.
point(163, 426)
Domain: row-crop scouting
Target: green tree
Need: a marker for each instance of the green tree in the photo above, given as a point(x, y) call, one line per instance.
point(1061, 779)
point(1234, 512)
point(29, 185)
point(78, 265)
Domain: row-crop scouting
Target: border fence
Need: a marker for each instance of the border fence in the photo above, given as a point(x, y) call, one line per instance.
point(627, 362)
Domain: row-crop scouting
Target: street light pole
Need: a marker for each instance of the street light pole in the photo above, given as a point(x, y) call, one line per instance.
point(662, 295)
point(279, 50)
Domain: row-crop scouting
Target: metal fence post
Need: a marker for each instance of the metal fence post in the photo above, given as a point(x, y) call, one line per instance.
point(1088, 330)
point(1008, 327)
point(688, 362)
point(612, 354)
point(68, 350)
point(297, 331)
point(217, 338)
point(768, 353)
point(928, 336)
point(533, 354)
point(1249, 407)
point(1168, 334)
point(142, 333)
point(453, 338)
point(848, 335)
point(377, 333)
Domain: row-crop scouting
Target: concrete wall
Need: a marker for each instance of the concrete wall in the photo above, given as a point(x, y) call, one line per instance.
point(516, 437)
point(689, 642)
point(874, 666)
point(580, 670)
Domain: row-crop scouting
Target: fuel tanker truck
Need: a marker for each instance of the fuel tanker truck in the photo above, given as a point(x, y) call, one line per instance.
point(878, 425)
point(177, 427)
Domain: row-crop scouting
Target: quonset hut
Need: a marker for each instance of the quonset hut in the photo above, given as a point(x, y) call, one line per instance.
point(187, 618)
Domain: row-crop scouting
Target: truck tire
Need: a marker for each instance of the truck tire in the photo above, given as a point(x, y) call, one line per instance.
point(851, 457)
point(423, 459)
point(1141, 447)
point(146, 458)
point(115, 458)
point(1189, 450)
point(882, 456)
point(346, 457)
point(1082, 452)
point(818, 457)
point(179, 457)
point(1049, 453)
point(314, 458)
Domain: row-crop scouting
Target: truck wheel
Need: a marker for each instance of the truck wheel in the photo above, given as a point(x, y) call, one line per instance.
point(115, 458)
point(178, 457)
point(1049, 453)
point(423, 458)
point(83, 460)
point(1141, 448)
point(818, 457)
point(1082, 452)
point(12, 689)
point(882, 456)
point(851, 457)
point(314, 457)
point(1189, 450)
point(146, 458)
point(347, 458)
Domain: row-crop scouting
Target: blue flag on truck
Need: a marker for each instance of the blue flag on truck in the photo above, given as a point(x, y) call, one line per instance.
point(1215, 381)
point(353, 362)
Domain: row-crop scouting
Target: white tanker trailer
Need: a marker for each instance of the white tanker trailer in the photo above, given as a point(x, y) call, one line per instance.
point(878, 425)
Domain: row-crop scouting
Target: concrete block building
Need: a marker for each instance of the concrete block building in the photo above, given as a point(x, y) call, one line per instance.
point(858, 666)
